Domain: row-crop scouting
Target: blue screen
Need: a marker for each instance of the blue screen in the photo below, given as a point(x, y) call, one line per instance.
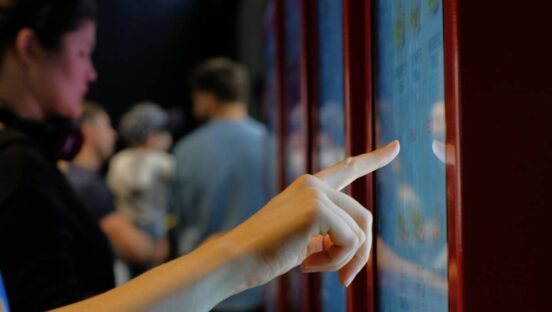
point(411, 193)
point(331, 131)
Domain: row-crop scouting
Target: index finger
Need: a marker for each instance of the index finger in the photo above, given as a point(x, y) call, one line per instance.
point(345, 172)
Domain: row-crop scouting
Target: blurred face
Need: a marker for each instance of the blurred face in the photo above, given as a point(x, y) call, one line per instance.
point(60, 78)
point(159, 141)
point(205, 104)
point(101, 135)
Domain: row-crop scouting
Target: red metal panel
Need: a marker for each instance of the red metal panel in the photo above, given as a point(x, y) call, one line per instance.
point(369, 145)
point(281, 130)
point(358, 125)
point(453, 161)
point(313, 103)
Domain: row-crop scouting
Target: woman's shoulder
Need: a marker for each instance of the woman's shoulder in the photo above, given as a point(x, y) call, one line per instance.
point(17, 152)
point(19, 161)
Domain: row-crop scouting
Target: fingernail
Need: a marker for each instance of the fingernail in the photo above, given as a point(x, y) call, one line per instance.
point(397, 143)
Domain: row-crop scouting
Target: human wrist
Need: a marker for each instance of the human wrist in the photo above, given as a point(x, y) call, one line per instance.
point(203, 278)
point(240, 257)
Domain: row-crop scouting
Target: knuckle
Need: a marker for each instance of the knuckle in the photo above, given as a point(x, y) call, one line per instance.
point(365, 218)
point(349, 163)
point(333, 268)
point(369, 216)
point(315, 206)
point(353, 239)
point(361, 237)
point(362, 258)
point(306, 180)
point(334, 265)
point(314, 193)
point(363, 254)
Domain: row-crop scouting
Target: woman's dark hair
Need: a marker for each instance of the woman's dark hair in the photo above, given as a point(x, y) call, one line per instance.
point(50, 19)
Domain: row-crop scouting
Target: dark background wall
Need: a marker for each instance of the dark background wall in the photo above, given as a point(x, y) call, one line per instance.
point(146, 50)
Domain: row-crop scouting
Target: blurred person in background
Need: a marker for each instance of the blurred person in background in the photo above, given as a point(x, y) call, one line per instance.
point(140, 175)
point(54, 254)
point(129, 242)
point(220, 177)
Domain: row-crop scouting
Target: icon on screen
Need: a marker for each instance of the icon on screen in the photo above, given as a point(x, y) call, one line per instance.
point(433, 5)
point(415, 18)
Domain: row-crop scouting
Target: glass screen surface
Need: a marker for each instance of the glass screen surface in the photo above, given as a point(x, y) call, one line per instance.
point(411, 192)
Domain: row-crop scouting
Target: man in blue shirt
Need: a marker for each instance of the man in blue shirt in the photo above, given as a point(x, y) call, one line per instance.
point(220, 176)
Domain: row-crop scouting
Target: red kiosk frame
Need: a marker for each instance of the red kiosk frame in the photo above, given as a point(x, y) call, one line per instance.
point(487, 75)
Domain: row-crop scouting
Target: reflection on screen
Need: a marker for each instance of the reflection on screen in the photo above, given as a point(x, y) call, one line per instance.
point(331, 128)
point(411, 192)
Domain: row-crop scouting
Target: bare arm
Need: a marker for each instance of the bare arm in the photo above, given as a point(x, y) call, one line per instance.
point(195, 282)
point(290, 230)
point(129, 242)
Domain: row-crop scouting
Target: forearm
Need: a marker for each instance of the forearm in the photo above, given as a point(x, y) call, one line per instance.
point(270, 243)
point(195, 282)
point(129, 242)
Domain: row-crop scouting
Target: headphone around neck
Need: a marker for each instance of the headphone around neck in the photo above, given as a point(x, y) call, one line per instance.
point(59, 138)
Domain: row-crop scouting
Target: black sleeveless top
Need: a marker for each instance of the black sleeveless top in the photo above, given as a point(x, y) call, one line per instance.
point(51, 251)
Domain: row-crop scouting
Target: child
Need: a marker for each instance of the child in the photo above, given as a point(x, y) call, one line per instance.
point(140, 175)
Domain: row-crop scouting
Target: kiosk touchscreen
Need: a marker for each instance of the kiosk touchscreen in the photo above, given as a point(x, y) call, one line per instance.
point(410, 194)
